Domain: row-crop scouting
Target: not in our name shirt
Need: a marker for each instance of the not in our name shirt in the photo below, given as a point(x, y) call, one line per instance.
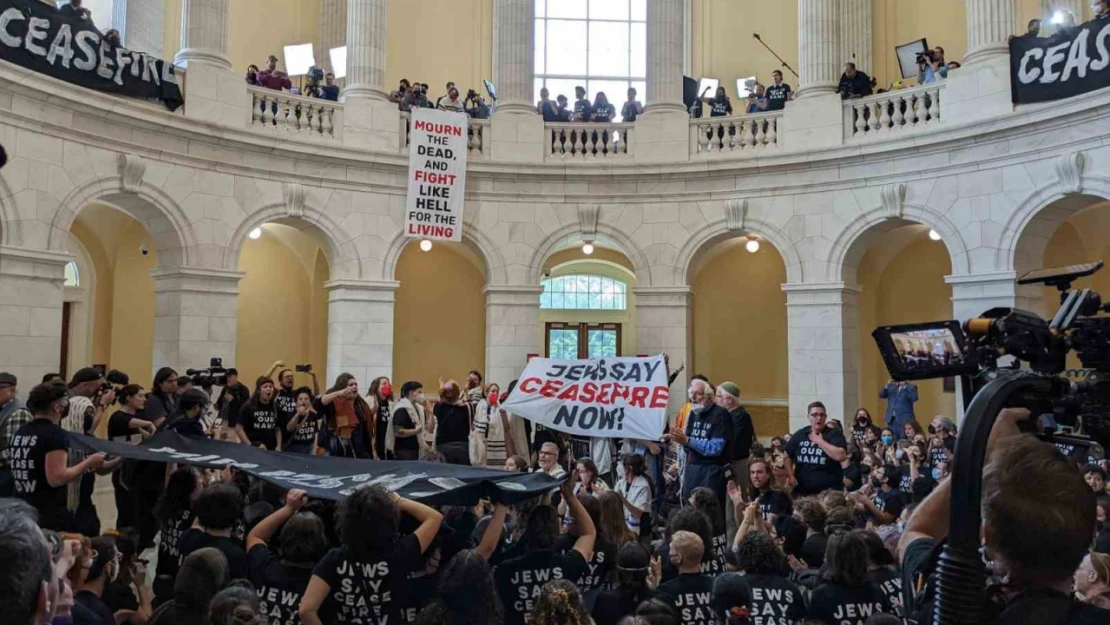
point(27, 457)
point(813, 468)
point(891, 502)
point(260, 423)
point(280, 586)
point(369, 593)
point(519, 581)
point(720, 107)
point(847, 605)
point(301, 438)
point(285, 403)
point(692, 596)
point(777, 95)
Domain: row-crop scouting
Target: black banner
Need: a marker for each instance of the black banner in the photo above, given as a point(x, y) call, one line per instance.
point(42, 39)
point(1069, 63)
point(334, 478)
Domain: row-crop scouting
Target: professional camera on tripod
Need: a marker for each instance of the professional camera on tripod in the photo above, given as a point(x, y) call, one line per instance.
point(215, 373)
point(1074, 416)
point(315, 76)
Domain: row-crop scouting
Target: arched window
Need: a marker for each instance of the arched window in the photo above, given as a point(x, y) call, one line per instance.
point(584, 292)
point(73, 278)
point(598, 44)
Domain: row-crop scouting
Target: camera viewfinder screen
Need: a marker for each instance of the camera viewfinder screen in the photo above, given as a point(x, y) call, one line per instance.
point(927, 349)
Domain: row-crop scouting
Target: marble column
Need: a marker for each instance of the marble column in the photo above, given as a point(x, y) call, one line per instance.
point(31, 296)
point(360, 328)
point(333, 30)
point(823, 339)
point(513, 330)
point(195, 313)
point(663, 326)
point(204, 34)
point(514, 27)
point(989, 26)
point(140, 25)
point(370, 120)
point(856, 38)
point(665, 41)
point(819, 48)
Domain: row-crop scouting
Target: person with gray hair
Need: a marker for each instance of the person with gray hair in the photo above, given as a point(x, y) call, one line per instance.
point(27, 590)
point(708, 440)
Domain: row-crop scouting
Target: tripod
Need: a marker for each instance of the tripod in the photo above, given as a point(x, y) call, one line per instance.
point(784, 63)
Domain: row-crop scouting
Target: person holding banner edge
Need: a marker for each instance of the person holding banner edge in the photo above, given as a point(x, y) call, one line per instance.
point(707, 440)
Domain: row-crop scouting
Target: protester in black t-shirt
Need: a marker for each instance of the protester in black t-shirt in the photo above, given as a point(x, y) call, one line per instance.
point(707, 438)
point(126, 425)
point(881, 570)
point(233, 396)
point(691, 592)
point(633, 566)
point(39, 455)
point(602, 111)
point(632, 108)
point(600, 567)
point(771, 501)
point(367, 579)
point(705, 501)
point(466, 593)
point(285, 398)
point(778, 93)
point(380, 398)
point(583, 110)
point(860, 427)
point(218, 508)
point(883, 501)
point(695, 522)
point(719, 105)
point(408, 421)
point(763, 587)
point(815, 453)
point(454, 420)
point(162, 402)
point(281, 580)
point(942, 441)
point(1037, 524)
point(257, 422)
point(102, 568)
point(203, 573)
point(303, 427)
point(175, 517)
point(186, 421)
point(519, 580)
point(844, 595)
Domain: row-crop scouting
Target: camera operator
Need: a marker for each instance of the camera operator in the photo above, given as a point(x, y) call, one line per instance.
point(397, 96)
point(330, 90)
point(272, 78)
point(480, 110)
point(931, 66)
point(417, 97)
point(451, 101)
point(252, 75)
point(853, 83)
point(757, 100)
point(1037, 525)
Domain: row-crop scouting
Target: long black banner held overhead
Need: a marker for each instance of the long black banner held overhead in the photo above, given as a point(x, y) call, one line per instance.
point(334, 478)
point(1071, 62)
point(38, 37)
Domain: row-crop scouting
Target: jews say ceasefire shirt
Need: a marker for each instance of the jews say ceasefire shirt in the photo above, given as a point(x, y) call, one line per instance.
point(519, 581)
point(369, 593)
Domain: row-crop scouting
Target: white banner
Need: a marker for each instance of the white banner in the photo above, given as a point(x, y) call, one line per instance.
point(437, 175)
point(604, 397)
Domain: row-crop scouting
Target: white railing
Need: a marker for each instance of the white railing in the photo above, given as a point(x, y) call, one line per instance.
point(571, 140)
point(477, 133)
point(733, 134)
point(894, 111)
point(277, 111)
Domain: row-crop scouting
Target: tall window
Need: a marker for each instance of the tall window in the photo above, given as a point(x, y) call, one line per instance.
point(72, 277)
point(584, 292)
point(598, 44)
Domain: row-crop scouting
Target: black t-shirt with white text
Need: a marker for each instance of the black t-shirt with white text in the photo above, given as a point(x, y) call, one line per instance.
point(583, 109)
point(520, 581)
point(600, 566)
point(712, 422)
point(169, 554)
point(720, 107)
point(887, 580)
point(937, 455)
point(285, 403)
point(773, 502)
point(847, 605)
point(890, 502)
point(27, 456)
point(301, 438)
point(692, 595)
point(120, 430)
point(710, 566)
point(280, 585)
point(193, 539)
point(603, 113)
point(365, 593)
point(777, 95)
point(774, 599)
point(813, 468)
point(260, 423)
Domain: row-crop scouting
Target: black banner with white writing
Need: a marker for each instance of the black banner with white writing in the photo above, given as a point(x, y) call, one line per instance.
point(69, 47)
point(334, 478)
point(1071, 62)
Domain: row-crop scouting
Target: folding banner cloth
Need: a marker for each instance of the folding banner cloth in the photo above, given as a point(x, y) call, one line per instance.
point(605, 397)
point(437, 175)
point(43, 39)
point(334, 478)
point(1073, 61)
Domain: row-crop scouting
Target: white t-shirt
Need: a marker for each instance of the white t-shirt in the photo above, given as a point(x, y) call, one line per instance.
point(638, 493)
point(601, 451)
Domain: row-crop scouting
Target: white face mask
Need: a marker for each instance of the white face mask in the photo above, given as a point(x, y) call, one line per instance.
point(115, 572)
point(420, 398)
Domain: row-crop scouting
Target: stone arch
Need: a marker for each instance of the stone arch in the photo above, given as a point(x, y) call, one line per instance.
point(1037, 217)
point(555, 240)
point(472, 238)
point(342, 254)
point(718, 231)
point(853, 241)
point(7, 214)
point(163, 219)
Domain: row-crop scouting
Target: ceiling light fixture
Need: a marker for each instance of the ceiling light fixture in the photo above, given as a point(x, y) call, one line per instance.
point(752, 245)
point(934, 235)
point(587, 248)
point(254, 234)
point(426, 245)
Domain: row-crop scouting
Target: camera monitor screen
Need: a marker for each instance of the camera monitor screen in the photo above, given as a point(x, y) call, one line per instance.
point(907, 57)
point(925, 350)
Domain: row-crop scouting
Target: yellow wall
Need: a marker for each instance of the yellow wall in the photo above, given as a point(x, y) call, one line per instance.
point(434, 41)
point(101, 326)
point(722, 43)
point(439, 319)
point(132, 337)
point(740, 321)
point(910, 289)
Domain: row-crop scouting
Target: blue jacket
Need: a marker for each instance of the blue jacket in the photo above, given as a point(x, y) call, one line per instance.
point(899, 405)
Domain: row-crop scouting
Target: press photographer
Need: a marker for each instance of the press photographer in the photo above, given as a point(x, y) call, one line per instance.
point(931, 66)
point(477, 107)
point(853, 83)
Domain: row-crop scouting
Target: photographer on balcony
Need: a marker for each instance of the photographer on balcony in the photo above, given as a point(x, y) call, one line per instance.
point(417, 97)
point(397, 96)
point(931, 66)
point(853, 83)
point(272, 78)
point(479, 110)
point(329, 90)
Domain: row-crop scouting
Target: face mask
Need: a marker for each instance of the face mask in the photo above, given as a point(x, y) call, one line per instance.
point(493, 398)
point(876, 483)
point(937, 474)
point(420, 398)
point(386, 389)
point(898, 454)
point(861, 420)
point(887, 440)
point(115, 572)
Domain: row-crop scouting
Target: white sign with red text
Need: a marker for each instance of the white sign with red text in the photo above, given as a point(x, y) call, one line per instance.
point(437, 175)
point(602, 397)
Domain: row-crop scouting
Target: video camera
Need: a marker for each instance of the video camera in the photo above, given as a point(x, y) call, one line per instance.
point(928, 56)
point(314, 76)
point(947, 348)
point(215, 373)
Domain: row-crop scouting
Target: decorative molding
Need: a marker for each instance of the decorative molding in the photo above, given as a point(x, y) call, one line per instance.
point(893, 197)
point(588, 217)
point(1069, 172)
point(131, 171)
point(293, 193)
point(735, 212)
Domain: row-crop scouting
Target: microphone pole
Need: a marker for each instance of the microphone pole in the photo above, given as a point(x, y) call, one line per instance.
point(784, 63)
